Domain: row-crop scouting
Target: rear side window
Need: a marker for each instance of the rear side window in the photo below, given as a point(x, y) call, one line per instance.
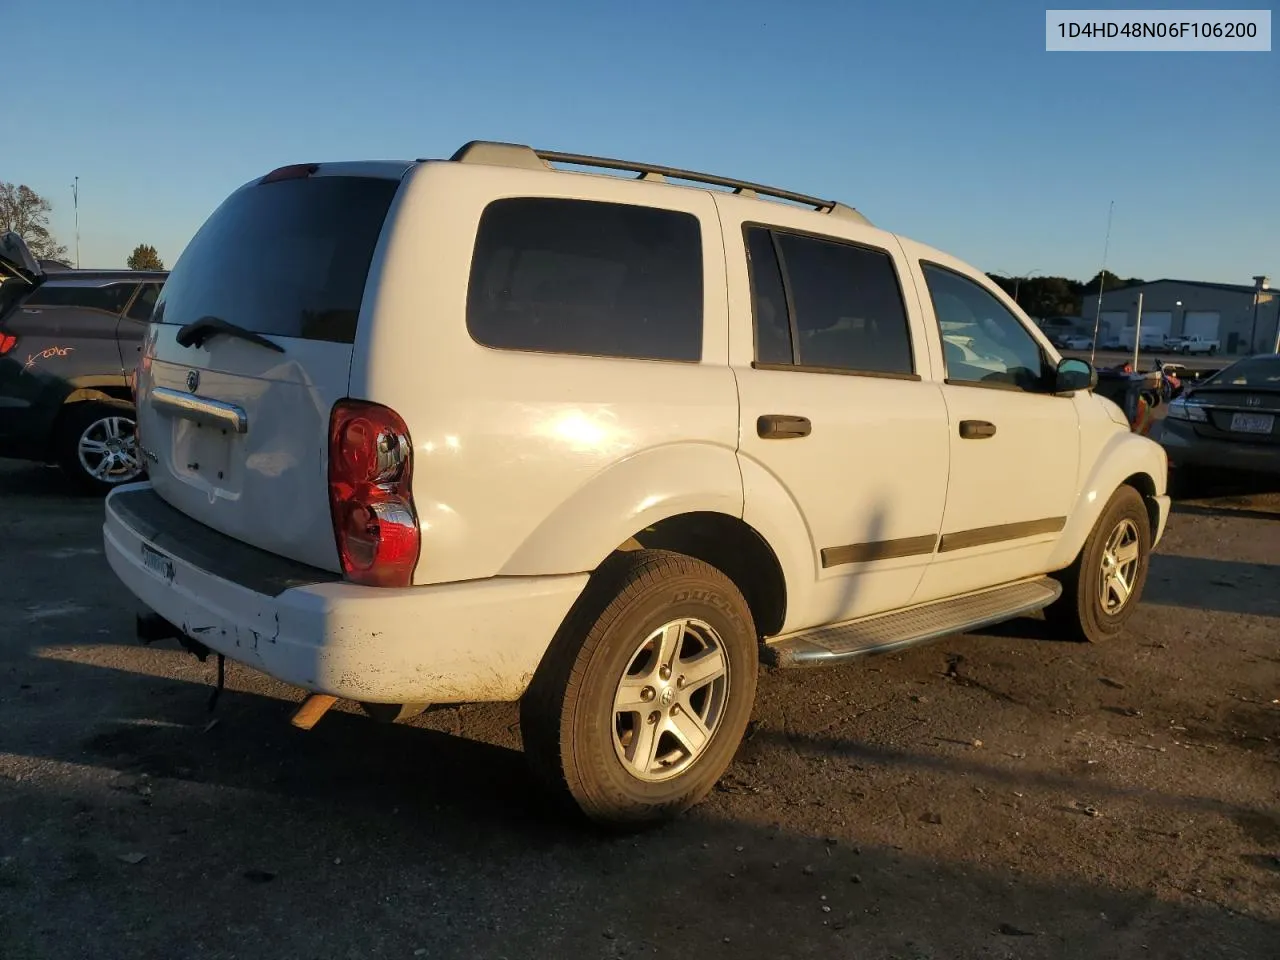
point(143, 303)
point(768, 300)
point(840, 304)
point(288, 258)
point(109, 298)
point(582, 277)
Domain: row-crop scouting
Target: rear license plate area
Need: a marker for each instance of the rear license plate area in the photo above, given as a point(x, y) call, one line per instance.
point(203, 451)
point(1252, 422)
point(157, 563)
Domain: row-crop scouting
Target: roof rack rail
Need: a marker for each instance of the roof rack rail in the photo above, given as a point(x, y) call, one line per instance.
point(525, 157)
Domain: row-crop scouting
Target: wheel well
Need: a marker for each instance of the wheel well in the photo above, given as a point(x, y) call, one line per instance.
point(732, 547)
point(1147, 487)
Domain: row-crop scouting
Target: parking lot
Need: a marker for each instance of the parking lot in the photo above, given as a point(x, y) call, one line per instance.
point(993, 795)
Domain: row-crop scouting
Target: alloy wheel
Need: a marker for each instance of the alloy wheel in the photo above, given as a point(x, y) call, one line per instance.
point(108, 450)
point(670, 699)
point(1119, 570)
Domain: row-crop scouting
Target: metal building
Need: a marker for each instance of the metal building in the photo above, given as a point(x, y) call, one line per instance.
point(1227, 312)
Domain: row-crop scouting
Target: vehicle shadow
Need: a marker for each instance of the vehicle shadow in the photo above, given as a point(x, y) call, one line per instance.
point(1224, 510)
point(444, 846)
point(1228, 493)
point(1224, 585)
point(38, 481)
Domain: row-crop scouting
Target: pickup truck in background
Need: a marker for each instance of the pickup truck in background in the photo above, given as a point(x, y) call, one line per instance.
point(1193, 344)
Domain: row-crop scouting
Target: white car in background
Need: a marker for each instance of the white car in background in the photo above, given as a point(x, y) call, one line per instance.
point(1076, 341)
point(600, 445)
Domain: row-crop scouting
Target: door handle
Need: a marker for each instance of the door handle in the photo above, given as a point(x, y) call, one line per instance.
point(781, 426)
point(976, 429)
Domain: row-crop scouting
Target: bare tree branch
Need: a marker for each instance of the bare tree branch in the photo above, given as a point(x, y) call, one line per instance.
point(26, 213)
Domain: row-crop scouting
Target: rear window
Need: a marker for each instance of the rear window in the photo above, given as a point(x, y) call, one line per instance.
point(1257, 372)
point(288, 258)
point(590, 278)
point(110, 297)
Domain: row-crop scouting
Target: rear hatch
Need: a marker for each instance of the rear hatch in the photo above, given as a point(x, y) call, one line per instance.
point(250, 346)
point(20, 272)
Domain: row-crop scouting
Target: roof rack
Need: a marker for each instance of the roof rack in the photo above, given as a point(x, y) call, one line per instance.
point(525, 157)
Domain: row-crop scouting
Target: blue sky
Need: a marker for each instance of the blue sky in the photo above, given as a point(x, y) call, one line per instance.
point(944, 121)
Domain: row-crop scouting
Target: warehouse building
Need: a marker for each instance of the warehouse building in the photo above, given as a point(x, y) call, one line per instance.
point(1227, 312)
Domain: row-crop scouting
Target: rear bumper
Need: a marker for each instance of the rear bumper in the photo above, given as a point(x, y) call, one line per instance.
point(452, 643)
point(1185, 448)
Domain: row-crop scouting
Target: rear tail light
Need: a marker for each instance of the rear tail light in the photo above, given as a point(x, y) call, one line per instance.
point(370, 471)
point(7, 342)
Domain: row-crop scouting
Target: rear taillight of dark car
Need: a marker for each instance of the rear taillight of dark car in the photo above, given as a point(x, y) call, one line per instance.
point(370, 498)
point(7, 342)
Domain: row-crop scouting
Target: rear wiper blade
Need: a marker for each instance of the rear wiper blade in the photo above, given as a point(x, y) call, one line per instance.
point(195, 333)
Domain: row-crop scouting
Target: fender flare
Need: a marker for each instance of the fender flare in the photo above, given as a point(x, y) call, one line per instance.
point(82, 394)
point(1121, 457)
point(771, 510)
point(622, 500)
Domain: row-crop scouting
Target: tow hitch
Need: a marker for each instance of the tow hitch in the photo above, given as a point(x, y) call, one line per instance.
point(152, 627)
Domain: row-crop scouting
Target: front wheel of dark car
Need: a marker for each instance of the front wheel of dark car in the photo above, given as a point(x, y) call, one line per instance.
point(1101, 590)
point(97, 447)
point(644, 695)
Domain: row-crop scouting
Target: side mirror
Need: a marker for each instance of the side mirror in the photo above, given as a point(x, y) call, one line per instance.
point(1073, 374)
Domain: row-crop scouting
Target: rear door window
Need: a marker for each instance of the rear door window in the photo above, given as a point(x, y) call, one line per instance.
point(287, 258)
point(590, 278)
point(833, 305)
point(143, 303)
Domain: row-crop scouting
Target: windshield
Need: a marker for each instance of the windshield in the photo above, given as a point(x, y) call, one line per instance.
point(1254, 372)
point(287, 258)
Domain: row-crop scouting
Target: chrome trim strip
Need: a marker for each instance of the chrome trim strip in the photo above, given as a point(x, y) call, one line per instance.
point(202, 409)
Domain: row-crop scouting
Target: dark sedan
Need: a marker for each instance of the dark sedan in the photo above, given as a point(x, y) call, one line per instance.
point(1229, 422)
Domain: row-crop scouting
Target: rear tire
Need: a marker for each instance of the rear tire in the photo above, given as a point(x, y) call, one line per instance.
point(665, 634)
point(1103, 587)
point(96, 446)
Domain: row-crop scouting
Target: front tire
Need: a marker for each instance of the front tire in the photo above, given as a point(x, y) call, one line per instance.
point(1101, 590)
point(643, 697)
point(96, 446)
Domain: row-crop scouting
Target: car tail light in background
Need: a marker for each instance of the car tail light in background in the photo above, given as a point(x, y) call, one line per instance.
point(370, 469)
point(7, 342)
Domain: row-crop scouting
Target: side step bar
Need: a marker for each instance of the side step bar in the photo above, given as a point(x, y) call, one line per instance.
point(885, 632)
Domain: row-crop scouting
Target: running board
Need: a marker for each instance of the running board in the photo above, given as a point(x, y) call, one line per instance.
point(898, 629)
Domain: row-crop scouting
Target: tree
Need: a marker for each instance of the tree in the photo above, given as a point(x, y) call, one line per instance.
point(1109, 281)
point(26, 213)
point(144, 257)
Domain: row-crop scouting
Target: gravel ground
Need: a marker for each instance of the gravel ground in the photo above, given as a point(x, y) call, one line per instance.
point(992, 795)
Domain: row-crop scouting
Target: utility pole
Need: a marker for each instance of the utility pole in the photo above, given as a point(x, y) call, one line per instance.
point(1102, 276)
point(1137, 333)
point(75, 201)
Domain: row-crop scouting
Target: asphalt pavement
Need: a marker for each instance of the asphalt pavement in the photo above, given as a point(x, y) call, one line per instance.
point(1001, 794)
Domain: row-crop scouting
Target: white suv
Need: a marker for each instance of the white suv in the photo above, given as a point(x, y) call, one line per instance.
point(487, 429)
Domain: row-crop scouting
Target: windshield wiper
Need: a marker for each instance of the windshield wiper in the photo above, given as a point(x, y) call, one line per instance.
point(195, 333)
